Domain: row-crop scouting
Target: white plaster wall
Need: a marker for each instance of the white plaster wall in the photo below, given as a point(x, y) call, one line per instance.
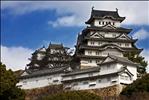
point(125, 80)
point(96, 43)
point(99, 43)
point(96, 22)
point(112, 52)
point(132, 69)
point(110, 68)
point(104, 82)
point(37, 82)
point(85, 62)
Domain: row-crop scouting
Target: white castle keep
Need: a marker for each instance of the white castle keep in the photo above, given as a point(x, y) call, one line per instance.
point(98, 60)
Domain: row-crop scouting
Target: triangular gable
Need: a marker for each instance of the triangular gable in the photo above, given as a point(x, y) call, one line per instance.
point(124, 37)
point(108, 26)
point(126, 71)
point(96, 35)
point(24, 73)
point(108, 59)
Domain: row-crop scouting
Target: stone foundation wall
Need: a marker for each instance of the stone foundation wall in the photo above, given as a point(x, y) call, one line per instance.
point(107, 91)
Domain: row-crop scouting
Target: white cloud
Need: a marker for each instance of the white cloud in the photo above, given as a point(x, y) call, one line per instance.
point(145, 54)
point(15, 58)
point(136, 12)
point(66, 21)
point(141, 34)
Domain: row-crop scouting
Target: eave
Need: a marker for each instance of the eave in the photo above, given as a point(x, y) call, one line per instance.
point(121, 30)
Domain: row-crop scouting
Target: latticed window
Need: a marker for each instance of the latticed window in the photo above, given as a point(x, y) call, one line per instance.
point(85, 82)
point(89, 61)
point(119, 44)
point(127, 44)
point(89, 52)
point(92, 42)
point(99, 43)
point(114, 35)
point(97, 53)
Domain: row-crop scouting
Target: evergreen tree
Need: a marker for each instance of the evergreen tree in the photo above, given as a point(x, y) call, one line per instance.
point(136, 58)
point(140, 85)
point(8, 89)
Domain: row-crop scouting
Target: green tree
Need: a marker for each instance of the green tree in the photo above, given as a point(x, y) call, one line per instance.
point(136, 58)
point(140, 85)
point(8, 89)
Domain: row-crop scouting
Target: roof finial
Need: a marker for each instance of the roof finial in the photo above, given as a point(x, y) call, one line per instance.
point(116, 10)
point(92, 7)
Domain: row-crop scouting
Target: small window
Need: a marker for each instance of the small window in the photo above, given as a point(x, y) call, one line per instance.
point(97, 61)
point(90, 74)
point(99, 43)
point(127, 44)
point(110, 23)
point(91, 85)
point(108, 79)
point(113, 23)
point(36, 80)
point(89, 52)
point(97, 53)
point(102, 23)
point(119, 44)
point(106, 23)
point(114, 35)
point(89, 61)
point(99, 81)
point(92, 42)
point(85, 82)
point(24, 82)
point(55, 81)
point(75, 84)
point(73, 77)
point(108, 66)
point(99, 22)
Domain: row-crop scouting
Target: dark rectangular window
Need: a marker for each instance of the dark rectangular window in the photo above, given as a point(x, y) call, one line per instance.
point(85, 82)
point(103, 23)
point(99, 22)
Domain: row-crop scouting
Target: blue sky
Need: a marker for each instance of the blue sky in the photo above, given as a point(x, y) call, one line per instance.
point(26, 26)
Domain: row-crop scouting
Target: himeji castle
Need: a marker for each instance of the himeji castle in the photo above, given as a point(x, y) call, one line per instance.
point(98, 60)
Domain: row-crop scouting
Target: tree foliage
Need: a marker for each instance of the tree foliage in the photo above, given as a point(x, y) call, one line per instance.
point(136, 58)
point(140, 85)
point(73, 95)
point(8, 89)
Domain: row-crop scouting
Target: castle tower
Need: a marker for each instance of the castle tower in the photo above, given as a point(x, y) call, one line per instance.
point(103, 35)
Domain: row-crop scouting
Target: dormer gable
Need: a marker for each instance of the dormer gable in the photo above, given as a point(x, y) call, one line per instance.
point(96, 35)
point(108, 59)
point(123, 37)
point(108, 26)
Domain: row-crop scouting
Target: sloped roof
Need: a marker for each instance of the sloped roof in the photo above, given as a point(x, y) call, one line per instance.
point(117, 29)
point(119, 59)
point(103, 14)
point(46, 71)
point(82, 71)
point(121, 70)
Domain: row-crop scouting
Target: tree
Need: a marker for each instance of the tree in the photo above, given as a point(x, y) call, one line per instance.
point(136, 58)
point(8, 89)
point(140, 85)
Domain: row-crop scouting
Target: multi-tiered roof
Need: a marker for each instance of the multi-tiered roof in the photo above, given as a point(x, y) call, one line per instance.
point(104, 27)
point(54, 59)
